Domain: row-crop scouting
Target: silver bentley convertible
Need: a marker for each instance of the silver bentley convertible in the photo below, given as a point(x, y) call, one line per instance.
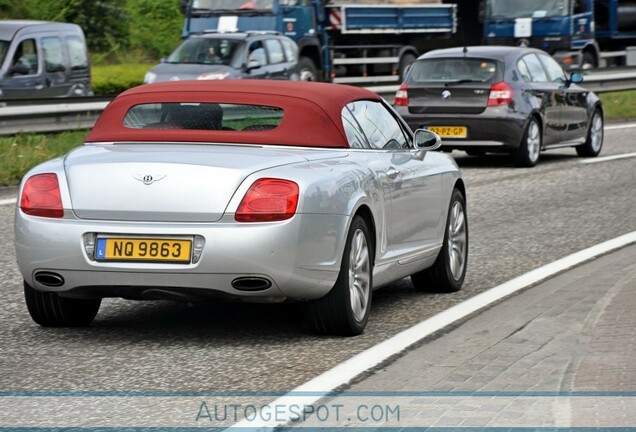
point(277, 191)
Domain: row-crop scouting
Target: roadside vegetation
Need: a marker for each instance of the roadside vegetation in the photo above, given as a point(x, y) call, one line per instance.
point(20, 153)
point(125, 37)
point(112, 79)
point(619, 105)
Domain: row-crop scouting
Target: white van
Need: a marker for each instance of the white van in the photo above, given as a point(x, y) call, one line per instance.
point(40, 59)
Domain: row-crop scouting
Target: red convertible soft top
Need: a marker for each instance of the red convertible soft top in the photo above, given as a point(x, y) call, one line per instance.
point(312, 112)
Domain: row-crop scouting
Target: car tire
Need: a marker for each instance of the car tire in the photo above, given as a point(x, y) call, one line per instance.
point(50, 310)
point(589, 61)
point(345, 309)
point(448, 272)
point(406, 61)
point(307, 69)
point(527, 155)
point(594, 140)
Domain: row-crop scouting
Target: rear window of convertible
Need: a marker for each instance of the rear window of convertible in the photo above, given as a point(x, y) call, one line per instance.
point(203, 116)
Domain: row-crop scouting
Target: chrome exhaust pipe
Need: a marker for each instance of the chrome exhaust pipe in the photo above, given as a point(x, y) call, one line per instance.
point(251, 283)
point(49, 279)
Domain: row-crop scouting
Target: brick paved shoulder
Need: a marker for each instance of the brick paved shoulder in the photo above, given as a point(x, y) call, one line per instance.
point(573, 333)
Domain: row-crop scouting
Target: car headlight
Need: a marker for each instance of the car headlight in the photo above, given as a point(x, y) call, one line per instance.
point(150, 77)
point(213, 76)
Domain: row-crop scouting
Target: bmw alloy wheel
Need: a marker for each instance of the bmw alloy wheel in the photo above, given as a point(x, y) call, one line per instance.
point(594, 140)
point(527, 154)
point(596, 132)
point(533, 141)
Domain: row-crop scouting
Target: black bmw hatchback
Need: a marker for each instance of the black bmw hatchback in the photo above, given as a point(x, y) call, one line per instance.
point(501, 100)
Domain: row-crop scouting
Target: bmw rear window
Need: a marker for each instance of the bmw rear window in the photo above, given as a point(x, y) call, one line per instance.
point(456, 69)
point(203, 116)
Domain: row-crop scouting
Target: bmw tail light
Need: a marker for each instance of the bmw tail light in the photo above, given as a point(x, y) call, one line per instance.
point(500, 94)
point(41, 196)
point(268, 200)
point(402, 96)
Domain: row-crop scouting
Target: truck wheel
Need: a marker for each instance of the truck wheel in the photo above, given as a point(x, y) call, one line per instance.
point(50, 310)
point(589, 61)
point(406, 61)
point(345, 309)
point(307, 68)
point(594, 140)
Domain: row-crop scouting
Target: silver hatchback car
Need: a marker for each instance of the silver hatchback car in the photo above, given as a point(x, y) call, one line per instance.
point(221, 56)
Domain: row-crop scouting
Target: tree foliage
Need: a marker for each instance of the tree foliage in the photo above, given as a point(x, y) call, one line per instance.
point(150, 26)
point(105, 22)
point(157, 28)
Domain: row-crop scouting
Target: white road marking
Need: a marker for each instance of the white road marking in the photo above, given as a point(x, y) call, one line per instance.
point(620, 126)
point(608, 158)
point(362, 362)
point(7, 201)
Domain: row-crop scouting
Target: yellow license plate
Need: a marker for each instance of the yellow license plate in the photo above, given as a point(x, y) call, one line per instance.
point(449, 131)
point(143, 249)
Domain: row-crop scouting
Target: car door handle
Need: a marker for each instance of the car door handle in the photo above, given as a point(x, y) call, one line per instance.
point(392, 173)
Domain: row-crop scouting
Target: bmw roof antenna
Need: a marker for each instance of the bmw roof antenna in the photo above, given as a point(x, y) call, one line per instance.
point(461, 30)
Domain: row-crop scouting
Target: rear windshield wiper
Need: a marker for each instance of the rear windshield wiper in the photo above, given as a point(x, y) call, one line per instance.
point(461, 81)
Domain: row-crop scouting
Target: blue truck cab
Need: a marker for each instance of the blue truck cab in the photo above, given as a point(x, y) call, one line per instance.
point(580, 34)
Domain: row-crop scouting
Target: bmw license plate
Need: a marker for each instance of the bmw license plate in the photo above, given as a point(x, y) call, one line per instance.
point(143, 249)
point(449, 131)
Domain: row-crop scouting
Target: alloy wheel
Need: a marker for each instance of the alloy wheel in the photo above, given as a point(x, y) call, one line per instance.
point(359, 275)
point(533, 141)
point(596, 132)
point(457, 237)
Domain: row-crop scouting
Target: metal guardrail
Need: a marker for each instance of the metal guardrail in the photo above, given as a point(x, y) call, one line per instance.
point(602, 82)
point(598, 81)
point(80, 114)
point(49, 118)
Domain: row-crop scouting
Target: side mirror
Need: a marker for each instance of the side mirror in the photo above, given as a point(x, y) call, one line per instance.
point(252, 64)
point(19, 69)
point(427, 140)
point(163, 60)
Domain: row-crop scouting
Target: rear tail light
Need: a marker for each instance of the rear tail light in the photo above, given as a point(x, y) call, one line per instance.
point(402, 96)
point(268, 200)
point(500, 94)
point(41, 196)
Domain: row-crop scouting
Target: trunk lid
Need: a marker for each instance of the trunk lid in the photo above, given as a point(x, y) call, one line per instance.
point(457, 99)
point(167, 182)
point(453, 85)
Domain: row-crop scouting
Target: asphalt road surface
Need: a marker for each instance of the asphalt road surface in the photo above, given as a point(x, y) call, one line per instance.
point(519, 219)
